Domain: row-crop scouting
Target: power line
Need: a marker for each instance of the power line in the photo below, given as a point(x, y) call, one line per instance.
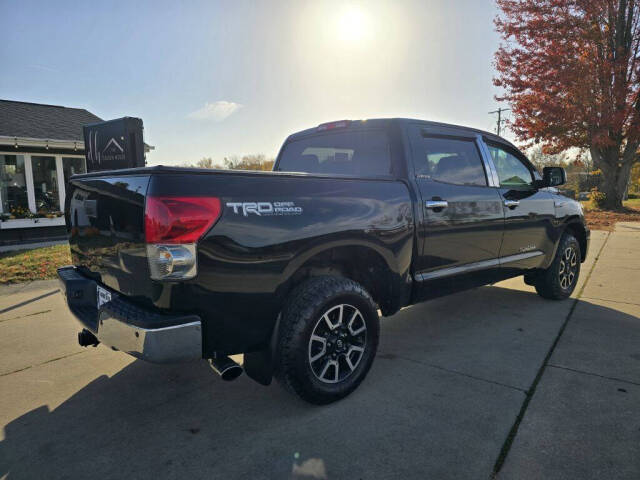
point(500, 119)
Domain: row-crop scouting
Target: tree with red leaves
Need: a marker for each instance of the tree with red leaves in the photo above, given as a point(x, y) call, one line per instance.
point(571, 71)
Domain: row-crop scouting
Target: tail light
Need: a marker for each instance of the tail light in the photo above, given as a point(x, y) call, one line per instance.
point(333, 125)
point(173, 226)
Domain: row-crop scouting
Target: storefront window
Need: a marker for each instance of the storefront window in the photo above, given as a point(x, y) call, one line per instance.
point(13, 185)
point(45, 184)
point(72, 166)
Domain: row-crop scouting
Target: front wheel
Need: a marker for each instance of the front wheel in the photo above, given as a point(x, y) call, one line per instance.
point(559, 280)
point(327, 340)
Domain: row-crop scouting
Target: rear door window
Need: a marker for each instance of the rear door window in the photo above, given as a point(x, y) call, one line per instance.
point(451, 160)
point(359, 153)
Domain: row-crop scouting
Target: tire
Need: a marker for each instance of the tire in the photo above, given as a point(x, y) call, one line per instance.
point(559, 280)
point(328, 366)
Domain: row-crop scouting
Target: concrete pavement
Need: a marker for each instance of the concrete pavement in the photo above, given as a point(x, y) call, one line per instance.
point(441, 400)
point(583, 419)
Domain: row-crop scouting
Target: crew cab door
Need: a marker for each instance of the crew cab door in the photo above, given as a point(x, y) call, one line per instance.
point(460, 218)
point(529, 211)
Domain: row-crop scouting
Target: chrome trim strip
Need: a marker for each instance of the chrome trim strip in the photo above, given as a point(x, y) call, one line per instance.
point(520, 256)
point(492, 173)
point(472, 267)
point(446, 272)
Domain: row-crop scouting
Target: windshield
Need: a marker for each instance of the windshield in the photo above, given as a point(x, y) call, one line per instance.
point(359, 153)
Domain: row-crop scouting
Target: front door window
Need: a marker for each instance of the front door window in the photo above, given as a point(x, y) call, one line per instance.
point(513, 174)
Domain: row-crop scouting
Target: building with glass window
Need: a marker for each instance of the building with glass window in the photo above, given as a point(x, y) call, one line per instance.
point(41, 146)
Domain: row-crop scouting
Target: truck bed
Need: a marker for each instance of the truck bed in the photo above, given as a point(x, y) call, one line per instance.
point(270, 228)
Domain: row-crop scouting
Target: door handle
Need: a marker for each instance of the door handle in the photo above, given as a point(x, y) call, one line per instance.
point(436, 204)
point(511, 203)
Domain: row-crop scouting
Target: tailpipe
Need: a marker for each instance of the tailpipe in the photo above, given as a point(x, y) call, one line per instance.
point(226, 368)
point(86, 338)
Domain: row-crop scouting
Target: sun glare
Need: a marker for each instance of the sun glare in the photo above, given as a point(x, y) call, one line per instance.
point(353, 25)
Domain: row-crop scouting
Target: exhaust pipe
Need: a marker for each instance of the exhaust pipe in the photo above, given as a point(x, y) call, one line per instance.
point(86, 338)
point(226, 368)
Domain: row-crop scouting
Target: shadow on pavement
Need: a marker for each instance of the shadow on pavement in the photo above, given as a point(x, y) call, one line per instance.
point(431, 406)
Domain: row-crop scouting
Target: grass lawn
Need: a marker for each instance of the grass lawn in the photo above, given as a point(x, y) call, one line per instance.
point(36, 264)
point(605, 220)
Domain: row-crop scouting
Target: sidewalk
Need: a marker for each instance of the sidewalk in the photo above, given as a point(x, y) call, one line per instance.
point(583, 419)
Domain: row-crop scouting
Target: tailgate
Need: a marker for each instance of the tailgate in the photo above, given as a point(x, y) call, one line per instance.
point(105, 223)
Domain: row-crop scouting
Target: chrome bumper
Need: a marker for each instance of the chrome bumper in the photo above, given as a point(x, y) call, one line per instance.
point(123, 326)
point(173, 344)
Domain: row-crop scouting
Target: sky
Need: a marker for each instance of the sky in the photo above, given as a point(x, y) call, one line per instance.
point(223, 78)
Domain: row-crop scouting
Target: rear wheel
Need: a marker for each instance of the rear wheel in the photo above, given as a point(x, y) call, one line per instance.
point(559, 280)
point(327, 339)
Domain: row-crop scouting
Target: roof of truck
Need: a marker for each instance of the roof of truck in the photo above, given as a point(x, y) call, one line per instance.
point(384, 122)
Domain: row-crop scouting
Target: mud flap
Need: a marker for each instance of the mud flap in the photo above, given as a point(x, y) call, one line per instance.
point(531, 277)
point(259, 366)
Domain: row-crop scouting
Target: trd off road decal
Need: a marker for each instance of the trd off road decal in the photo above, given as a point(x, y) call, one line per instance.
point(264, 209)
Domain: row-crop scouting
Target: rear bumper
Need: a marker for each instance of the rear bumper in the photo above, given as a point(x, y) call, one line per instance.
point(124, 326)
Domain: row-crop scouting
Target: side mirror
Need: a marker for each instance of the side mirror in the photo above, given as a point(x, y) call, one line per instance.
point(553, 176)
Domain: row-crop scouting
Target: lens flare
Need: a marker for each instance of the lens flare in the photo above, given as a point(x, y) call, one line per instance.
point(353, 25)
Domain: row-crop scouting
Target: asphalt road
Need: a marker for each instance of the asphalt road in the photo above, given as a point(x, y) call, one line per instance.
point(493, 377)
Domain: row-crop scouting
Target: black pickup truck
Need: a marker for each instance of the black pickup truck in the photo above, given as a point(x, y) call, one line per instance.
point(292, 267)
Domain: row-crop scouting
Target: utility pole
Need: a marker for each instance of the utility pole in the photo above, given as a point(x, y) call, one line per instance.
point(499, 112)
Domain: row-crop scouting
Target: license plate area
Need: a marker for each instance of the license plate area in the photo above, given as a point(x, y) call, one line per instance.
point(102, 296)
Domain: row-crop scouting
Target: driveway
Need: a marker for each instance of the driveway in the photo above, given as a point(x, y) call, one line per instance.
point(491, 379)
